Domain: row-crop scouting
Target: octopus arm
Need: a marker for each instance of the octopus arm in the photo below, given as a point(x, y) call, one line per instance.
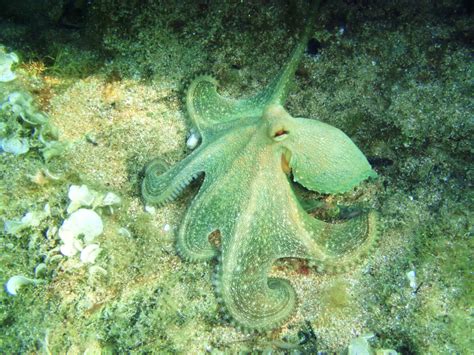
point(333, 246)
point(207, 109)
point(252, 300)
point(211, 210)
point(192, 242)
point(249, 297)
point(161, 186)
point(262, 233)
point(221, 197)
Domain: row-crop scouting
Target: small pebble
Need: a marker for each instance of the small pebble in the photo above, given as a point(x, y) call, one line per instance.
point(411, 276)
point(124, 232)
point(193, 140)
point(150, 209)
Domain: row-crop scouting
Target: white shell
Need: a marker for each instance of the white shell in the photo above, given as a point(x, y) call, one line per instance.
point(124, 232)
point(83, 221)
point(80, 196)
point(68, 249)
point(90, 253)
point(150, 209)
point(30, 219)
point(15, 145)
point(111, 199)
point(14, 284)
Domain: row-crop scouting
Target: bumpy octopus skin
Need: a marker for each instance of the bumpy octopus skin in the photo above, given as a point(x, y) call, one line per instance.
point(248, 149)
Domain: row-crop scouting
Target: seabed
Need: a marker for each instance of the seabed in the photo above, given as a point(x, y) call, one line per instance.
point(395, 76)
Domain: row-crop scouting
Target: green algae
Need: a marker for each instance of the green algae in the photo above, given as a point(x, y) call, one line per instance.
point(412, 108)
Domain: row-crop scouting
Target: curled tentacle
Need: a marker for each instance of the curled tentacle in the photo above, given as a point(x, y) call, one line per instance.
point(332, 246)
point(251, 300)
point(160, 187)
point(207, 109)
point(345, 244)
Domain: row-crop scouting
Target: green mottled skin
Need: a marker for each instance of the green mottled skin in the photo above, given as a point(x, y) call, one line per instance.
point(248, 148)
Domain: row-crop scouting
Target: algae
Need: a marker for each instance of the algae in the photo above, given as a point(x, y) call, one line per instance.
point(396, 76)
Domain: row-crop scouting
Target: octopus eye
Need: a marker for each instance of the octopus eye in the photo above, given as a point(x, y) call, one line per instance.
point(280, 135)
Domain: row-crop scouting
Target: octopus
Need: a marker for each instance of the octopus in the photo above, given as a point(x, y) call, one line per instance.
point(251, 155)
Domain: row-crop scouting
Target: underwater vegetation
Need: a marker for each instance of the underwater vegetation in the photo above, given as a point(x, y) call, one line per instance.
point(6, 62)
point(87, 267)
point(22, 126)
